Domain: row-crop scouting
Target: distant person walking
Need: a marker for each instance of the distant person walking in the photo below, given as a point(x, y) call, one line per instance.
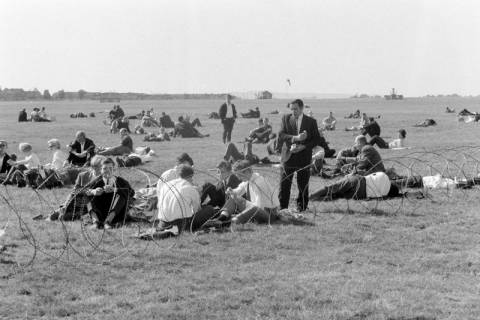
point(228, 114)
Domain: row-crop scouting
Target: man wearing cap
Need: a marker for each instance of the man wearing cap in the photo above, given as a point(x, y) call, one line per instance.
point(81, 151)
point(227, 114)
point(216, 193)
point(297, 137)
point(4, 157)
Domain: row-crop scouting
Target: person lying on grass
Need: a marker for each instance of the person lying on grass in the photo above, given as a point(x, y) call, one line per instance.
point(144, 155)
point(125, 147)
point(357, 187)
point(396, 143)
point(255, 199)
point(111, 198)
point(179, 206)
point(185, 129)
point(161, 136)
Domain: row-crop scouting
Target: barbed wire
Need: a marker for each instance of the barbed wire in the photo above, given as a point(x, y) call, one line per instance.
point(76, 246)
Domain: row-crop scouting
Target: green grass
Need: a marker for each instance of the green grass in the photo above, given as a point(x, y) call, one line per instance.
point(397, 259)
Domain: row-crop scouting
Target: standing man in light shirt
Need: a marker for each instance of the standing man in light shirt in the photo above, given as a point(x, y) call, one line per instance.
point(179, 206)
point(297, 137)
point(227, 114)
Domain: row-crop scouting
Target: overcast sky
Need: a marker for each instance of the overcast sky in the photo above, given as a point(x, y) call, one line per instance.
point(366, 46)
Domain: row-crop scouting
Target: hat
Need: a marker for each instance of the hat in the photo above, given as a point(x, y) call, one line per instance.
point(225, 165)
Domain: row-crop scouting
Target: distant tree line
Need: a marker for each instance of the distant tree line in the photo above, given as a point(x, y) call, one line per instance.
point(15, 94)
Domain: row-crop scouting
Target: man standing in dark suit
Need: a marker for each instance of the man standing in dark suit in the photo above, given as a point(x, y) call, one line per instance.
point(81, 151)
point(227, 114)
point(296, 139)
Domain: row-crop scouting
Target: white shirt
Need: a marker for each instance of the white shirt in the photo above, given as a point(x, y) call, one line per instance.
point(262, 193)
point(82, 147)
point(177, 199)
point(59, 157)
point(299, 122)
point(31, 162)
point(1, 161)
point(229, 113)
point(377, 184)
point(168, 175)
point(397, 143)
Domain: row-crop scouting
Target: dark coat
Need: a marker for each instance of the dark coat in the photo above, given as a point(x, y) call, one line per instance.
point(103, 202)
point(372, 129)
point(22, 116)
point(223, 111)
point(285, 135)
point(369, 161)
point(89, 145)
point(4, 166)
point(217, 192)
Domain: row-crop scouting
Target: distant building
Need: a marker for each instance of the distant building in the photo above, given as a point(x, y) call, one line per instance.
point(393, 96)
point(264, 95)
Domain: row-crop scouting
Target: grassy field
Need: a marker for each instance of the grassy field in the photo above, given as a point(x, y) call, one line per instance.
point(396, 259)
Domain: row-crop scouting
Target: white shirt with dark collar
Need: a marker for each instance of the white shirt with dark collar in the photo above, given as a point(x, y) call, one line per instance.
point(229, 113)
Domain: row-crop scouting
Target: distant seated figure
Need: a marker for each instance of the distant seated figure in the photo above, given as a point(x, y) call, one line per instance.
point(261, 134)
point(426, 123)
point(81, 151)
point(372, 128)
point(22, 116)
point(397, 143)
point(43, 117)
point(122, 123)
point(213, 115)
point(448, 110)
point(116, 113)
point(364, 121)
point(125, 147)
point(149, 121)
point(465, 112)
point(35, 115)
point(357, 187)
point(185, 129)
point(329, 122)
point(166, 121)
point(355, 115)
point(111, 198)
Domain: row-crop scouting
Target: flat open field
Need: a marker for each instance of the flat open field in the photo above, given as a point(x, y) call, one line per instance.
point(395, 259)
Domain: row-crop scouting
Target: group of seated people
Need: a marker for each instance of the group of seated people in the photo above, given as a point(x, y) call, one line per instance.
point(36, 115)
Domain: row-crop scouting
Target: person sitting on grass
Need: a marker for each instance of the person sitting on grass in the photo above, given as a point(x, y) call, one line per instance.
point(111, 198)
point(255, 199)
point(368, 160)
point(170, 174)
point(43, 117)
point(125, 147)
point(166, 121)
point(149, 121)
point(77, 201)
point(216, 193)
point(397, 143)
point(179, 206)
point(426, 123)
point(59, 159)
point(357, 187)
point(22, 116)
point(116, 113)
point(81, 151)
point(261, 134)
point(185, 129)
point(4, 161)
point(26, 169)
point(329, 122)
point(119, 124)
point(364, 121)
point(372, 128)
